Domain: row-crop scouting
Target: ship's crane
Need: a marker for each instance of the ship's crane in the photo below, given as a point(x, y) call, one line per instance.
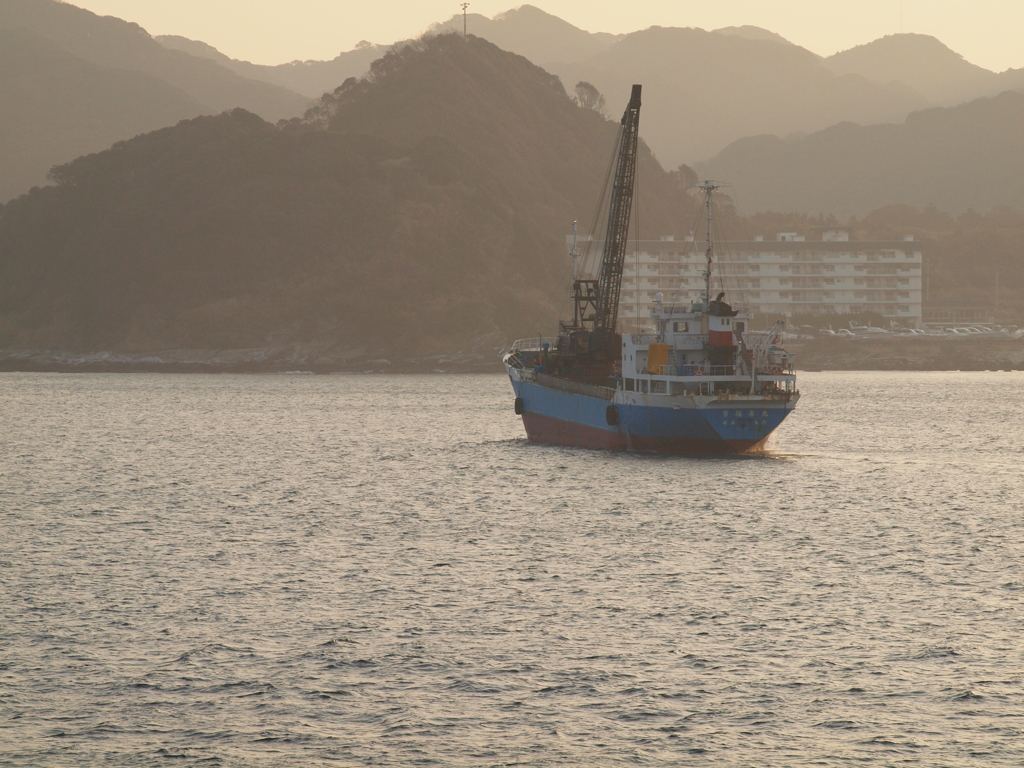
point(619, 211)
point(596, 302)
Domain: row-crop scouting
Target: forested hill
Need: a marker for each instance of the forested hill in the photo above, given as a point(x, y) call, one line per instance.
point(420, 211)
point(502, 110)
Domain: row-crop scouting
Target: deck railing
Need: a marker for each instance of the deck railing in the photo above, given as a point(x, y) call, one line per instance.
point(720, 370)
point(575, 387)
point(535, 344)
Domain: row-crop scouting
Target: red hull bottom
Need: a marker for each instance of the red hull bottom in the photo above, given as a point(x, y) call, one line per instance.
point(551, 431)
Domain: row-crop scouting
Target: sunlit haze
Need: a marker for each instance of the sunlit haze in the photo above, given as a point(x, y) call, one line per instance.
point(985, 32)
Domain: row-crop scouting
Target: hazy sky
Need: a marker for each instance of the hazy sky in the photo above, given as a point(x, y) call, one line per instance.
point(986, 32)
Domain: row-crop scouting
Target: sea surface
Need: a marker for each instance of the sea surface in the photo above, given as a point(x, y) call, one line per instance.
point(289, 570)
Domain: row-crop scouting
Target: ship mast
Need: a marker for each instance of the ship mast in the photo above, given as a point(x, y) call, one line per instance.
point(575, 253)
point(709, 187)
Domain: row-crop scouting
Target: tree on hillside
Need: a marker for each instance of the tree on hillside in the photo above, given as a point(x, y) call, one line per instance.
point(588, 97)
point(684, 177)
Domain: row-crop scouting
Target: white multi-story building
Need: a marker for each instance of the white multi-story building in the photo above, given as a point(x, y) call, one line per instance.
point(789, 275)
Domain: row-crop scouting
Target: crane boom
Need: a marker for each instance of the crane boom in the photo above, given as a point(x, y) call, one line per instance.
point(589, 346)
point(620, 208)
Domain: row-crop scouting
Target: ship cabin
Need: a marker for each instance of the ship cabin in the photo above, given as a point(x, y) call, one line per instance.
point(694, 350)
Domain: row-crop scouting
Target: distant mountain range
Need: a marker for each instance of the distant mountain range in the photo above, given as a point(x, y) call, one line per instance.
point(55, 106)
point(926, 65)
point(967, 156)
point(72, 82)
point(707, 89)
point(311, 78)
point(418, 212)
point(528, 31)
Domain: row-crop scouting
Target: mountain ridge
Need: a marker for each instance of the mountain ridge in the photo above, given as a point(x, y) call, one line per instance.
point(801, 94)
point(709, 89)
point(112, 81)
point(925, 64)
point(55, 106)
point(112, 42)
point(961, 157)
point(879, 82)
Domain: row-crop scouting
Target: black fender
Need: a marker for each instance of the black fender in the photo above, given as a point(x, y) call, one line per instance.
point(611, 415)
point(519, 406)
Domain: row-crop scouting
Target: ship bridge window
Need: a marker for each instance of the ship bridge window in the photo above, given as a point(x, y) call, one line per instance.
point(680, 326)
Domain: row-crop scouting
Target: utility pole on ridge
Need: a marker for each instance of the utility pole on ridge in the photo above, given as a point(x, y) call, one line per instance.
point(464, 7)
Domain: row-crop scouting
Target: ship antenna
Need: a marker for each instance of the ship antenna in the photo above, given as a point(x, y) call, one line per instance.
point(575, 253)
point(709, 187)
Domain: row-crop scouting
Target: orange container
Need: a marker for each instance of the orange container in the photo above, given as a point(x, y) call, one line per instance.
point(657, 356)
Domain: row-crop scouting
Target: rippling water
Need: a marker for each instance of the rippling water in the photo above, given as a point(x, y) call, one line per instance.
point(379, 570)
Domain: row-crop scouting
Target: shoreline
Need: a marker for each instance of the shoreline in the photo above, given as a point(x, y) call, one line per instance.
point(254, 361)
point(869, 354)
point(909, 354)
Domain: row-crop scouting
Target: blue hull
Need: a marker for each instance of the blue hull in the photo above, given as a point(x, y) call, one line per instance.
point(658, 424)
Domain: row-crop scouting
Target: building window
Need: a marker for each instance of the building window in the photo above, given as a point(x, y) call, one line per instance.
point(681, 326)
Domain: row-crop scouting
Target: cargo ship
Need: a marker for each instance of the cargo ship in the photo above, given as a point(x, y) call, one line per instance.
point(699, 381)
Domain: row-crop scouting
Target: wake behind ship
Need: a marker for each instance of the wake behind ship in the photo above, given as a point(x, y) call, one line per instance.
point(700, 382)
